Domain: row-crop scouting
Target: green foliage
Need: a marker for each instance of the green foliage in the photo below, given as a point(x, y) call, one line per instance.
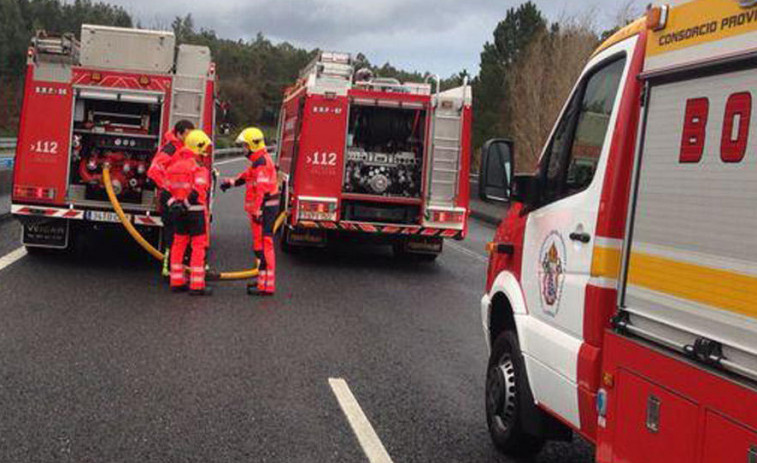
point(511, 37)
point(19, 19)
point(252, 74)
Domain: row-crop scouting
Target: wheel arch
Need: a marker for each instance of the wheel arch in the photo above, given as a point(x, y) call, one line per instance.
point(507, 308)
point(507, 301)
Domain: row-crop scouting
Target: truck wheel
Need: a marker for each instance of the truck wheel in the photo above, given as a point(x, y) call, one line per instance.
point(505, 390)
point(425, 257)
point(285, 246)
point(36, 251)
point(401, 253)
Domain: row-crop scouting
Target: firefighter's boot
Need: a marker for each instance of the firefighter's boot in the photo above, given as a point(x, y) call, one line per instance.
point(206, 291)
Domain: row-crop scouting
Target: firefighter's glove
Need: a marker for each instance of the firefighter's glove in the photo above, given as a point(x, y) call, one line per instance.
point(225, 185)
point(194, 198)
point(178, 208)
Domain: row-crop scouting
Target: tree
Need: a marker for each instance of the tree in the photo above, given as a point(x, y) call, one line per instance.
point(510, 38)
point(542, 80)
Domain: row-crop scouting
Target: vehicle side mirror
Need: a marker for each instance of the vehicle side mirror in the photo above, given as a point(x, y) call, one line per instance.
point(497, 167)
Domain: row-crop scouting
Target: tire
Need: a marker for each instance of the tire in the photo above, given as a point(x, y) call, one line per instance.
point(35, 251)
point(285, 246)
point(506, 393)
point(426, 258)
point(403, 254)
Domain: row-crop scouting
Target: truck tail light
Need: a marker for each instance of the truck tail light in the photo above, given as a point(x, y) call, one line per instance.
point(314, 209)
point(32, 192)
point(454, 217)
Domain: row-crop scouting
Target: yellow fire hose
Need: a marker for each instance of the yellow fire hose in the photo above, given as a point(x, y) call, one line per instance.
point(241, 275)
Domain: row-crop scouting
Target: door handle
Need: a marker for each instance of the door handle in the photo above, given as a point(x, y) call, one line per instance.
point(582, 237)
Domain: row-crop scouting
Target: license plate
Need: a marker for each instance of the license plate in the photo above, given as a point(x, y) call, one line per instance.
point(103, 216)
point(46, 234)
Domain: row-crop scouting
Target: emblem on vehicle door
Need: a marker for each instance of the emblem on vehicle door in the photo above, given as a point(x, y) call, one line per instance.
point(552, 272)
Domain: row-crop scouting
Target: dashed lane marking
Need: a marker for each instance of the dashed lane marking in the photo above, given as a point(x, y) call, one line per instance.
point(362, 428)
point(12, 257)
point(468, 252)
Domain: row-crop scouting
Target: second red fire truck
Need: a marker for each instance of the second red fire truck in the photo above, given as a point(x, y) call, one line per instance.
point(373, 158)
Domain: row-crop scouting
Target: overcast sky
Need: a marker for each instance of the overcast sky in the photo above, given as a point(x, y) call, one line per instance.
point(441, 36)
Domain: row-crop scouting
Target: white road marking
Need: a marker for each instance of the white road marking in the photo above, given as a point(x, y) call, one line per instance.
point(362, 428)
point(12, 257)
point(468, 252)
point(229, 161)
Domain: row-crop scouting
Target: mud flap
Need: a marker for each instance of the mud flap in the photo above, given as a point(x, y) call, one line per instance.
point(51, 233)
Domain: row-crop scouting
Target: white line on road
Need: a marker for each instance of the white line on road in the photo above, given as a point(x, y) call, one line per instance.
point(12, 257)
point(229, 161)
point(468, 252)
point(362, 428)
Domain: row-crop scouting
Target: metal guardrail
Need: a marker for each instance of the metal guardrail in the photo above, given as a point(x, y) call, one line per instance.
point(228, 152)
point(7, 143)
point(7, 154)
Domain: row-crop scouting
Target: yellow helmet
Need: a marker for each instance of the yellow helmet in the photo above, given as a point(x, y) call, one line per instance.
point(252, 137)
point(199, 142)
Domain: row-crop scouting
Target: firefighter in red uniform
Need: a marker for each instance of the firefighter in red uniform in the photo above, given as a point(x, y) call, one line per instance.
point(173, 143)
point(262, 205)
point(188, 182)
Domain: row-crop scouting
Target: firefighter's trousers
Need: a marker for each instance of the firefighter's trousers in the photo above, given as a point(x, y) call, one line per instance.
point(190, 230)
point(262, 239)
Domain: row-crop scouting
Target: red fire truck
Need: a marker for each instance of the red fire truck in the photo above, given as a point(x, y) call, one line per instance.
point(621, 299)
point(105, 100)
point(373, 158)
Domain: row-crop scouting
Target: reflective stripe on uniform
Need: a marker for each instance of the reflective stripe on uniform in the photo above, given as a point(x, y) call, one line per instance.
point(196, 207)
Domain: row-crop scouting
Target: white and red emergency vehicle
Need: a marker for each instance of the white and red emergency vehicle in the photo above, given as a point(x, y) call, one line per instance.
point(373, 158)
point(106, 100)
point(622, 287)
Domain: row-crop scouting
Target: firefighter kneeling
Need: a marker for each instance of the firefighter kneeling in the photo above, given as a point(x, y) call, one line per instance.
point(188, 183)
point(262, 205)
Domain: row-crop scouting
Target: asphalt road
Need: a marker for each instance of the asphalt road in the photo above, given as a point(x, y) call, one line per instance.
point(100, 362)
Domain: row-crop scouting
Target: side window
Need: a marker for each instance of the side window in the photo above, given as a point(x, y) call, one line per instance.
point(572, 158)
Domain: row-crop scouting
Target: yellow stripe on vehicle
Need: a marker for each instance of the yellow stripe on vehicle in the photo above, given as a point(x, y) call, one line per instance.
point(702, 22)
point(606, 262)
point(724, 289)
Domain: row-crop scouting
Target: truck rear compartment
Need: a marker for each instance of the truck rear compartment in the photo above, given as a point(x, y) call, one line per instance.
point(691, 258)
point(118, 129)
point(384, 153)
